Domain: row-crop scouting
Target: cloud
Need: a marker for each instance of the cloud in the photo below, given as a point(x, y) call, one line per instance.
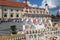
point(32, 5)
point(51, 3)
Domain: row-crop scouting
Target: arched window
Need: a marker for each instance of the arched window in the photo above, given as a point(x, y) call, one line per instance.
point(17, 15)
point(17, 10)
point(5, 14)
point(11, 15)
point(11, 9)
point(5, 9)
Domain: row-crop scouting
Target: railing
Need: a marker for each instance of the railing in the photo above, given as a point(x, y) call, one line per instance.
point(36, 15)
point(13, 37)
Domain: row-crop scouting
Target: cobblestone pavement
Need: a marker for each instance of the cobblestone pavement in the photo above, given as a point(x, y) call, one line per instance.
point(5, 27)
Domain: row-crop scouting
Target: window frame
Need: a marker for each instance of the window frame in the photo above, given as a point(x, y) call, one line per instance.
point(5, 14)
point(11, 15)
point(17, 14)
point(5, 9)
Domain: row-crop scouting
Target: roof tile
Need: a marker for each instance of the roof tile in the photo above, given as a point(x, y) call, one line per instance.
point(16, 4)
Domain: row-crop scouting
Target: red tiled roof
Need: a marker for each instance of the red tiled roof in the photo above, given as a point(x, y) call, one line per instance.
point(13, 4)
point(16, 4)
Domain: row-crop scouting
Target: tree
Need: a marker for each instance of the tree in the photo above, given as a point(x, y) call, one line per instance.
point(52, 16)
point(13, 29)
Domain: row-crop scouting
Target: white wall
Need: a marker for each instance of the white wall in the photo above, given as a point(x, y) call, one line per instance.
point(0, 12)
point(14, 11)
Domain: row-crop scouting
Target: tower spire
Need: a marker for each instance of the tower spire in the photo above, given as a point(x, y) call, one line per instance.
point(46, 3)
point(46, 7)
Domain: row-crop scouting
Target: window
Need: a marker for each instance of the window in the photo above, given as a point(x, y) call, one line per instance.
point(27, 32)
point(5, 9)
point(17, 10)
point(11, 15)
point(30, 11)
point(37, 11)
point(33, 31)
point(41, 12)
point(34, 11)
point(30, 32)
point(30, 36)
point(11, 9)
point(26, 11)
point(22, 10)
point(39, 31)
point(17, 15)
point(36, 31)
point(35, 36)
point(5, 15)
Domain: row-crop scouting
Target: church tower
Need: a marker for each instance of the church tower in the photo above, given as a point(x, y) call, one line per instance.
point(46, 8)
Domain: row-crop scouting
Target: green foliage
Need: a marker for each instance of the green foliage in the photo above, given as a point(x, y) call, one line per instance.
point(13, 29)
point(52, 16)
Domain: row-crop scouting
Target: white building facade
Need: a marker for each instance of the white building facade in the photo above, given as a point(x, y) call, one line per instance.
point(9, 9)
point(10, 12)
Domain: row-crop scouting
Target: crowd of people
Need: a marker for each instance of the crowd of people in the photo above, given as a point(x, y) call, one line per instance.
point(37, 23)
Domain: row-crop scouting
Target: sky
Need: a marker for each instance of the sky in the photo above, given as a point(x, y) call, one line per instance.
point(54, 5)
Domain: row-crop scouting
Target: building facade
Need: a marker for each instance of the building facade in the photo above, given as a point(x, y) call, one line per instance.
point(10, 12)
point(10, 9)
